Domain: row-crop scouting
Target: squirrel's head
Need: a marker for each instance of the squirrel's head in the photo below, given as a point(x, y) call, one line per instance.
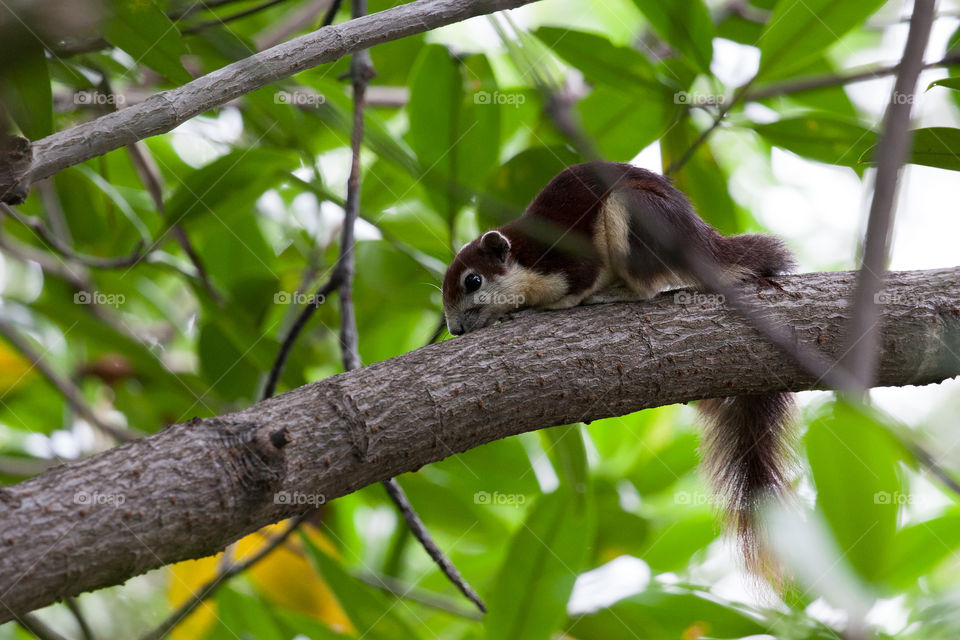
point(477, 288)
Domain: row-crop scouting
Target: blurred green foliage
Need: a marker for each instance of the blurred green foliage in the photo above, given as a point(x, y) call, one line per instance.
point(257, 186)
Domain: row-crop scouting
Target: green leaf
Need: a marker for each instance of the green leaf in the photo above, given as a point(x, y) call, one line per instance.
point(669, 546)
point(618, 127)
point(143, 30)
point(701, 178)
point(918, 549)
point(521, 177)
point(662, 468)
point(932, 147)
point(937, 147)
point(227, 186)
point(600, 60)
point(455, 133)
point(685, 25)
point(799, 30)
point(369, 610)
point(854, 462)
point(949, 83)
point(530, 595)
point(820, 136)
point(668, 615)
point(244, 616)
point(569, 457)
point(25, 90)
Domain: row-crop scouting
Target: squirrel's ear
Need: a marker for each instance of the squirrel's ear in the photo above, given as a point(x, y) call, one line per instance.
point(496, 243)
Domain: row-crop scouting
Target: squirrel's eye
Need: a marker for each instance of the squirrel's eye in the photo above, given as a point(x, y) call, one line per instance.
point(472, 282)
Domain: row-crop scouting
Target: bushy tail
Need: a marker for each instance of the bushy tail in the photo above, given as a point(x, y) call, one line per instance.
point(747, 453)
point(755, 253)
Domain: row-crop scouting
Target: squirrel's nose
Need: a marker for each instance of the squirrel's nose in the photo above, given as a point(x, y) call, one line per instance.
point(456, 329)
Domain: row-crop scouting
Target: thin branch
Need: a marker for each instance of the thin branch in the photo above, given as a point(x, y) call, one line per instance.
point(25, 467)
point(678, 164)
point(71, 272)
point(97, 43)
point(208, 589)
point(197, 7)
point(823, 81)
point(216, 22)
point(294, 331)
point(892, 151)
point(331, 13)
point(38, 627)
point(422, 534)
point(74, 607)
point(292, 23)
point(408, 592)
point(64, 249)
point(150, 176)
point(65, 386)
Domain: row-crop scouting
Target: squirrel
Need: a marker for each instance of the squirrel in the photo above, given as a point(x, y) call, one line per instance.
point(576, 242)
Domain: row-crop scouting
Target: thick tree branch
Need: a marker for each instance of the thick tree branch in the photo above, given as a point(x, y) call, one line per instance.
point(192, 488)
point(167, 109)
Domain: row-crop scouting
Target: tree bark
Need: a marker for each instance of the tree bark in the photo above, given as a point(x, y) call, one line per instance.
point(192, 488)
point(164, 111)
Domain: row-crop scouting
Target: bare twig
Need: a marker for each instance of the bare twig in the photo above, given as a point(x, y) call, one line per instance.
point(294, 331)
point(823, 81)
point(892, 151)
point(216, 22)
point(74, 607)
point(150, 176)
point(197, 7)
point(64, 249)
point(292, 23)
point(38, 627)
point(67, 389)
point(25, 467)
point(677, 164)
point(74, 273)
point(421, 533)
point(331, 13)
point(409, 592)
point(207, 590)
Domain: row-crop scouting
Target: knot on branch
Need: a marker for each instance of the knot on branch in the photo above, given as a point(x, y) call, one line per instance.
point(16, 156)
point(253, 457)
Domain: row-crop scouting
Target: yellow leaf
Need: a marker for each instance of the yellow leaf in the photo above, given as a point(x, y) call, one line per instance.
point(284, 577)
point(14, 368)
